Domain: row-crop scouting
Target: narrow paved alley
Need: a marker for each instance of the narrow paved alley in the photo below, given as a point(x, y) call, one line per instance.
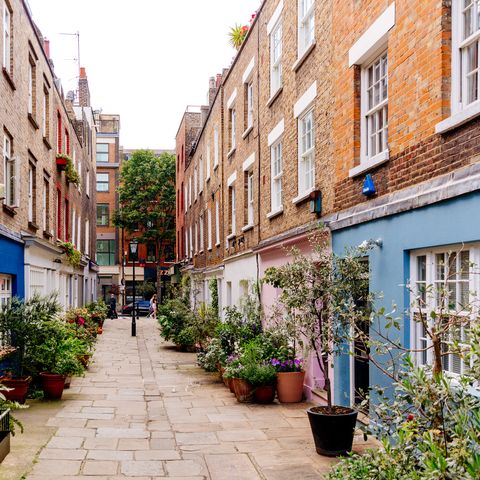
point(144, 410)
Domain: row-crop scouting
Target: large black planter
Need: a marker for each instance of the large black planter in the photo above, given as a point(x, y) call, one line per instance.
point(332, 434)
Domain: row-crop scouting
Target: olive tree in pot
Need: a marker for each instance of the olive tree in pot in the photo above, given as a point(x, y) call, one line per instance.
point(317, 303)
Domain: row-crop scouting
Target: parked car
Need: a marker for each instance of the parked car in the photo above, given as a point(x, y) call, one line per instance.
point(142, 307)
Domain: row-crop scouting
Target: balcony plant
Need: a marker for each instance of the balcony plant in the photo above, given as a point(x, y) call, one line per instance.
point(71, 174)
point(74, 256)
point(315, 308)
point(62, 160)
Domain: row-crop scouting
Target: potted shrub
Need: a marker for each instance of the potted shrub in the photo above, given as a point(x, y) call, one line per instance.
point(263, 378)
point(19, 324)
point(316, 307)
point(233, 368)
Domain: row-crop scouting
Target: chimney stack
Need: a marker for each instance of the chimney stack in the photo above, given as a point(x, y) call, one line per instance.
point(83, 89)
point(46, 47)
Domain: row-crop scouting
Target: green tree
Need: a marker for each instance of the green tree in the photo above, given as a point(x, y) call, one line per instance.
point(147, 201)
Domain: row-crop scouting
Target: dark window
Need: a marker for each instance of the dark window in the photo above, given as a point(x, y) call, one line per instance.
point(106, 252)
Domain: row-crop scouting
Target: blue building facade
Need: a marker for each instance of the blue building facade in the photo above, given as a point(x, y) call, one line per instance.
point(449, 225)
point(12, 265)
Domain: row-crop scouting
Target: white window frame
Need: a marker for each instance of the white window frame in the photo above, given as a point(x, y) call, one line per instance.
point(276, 157)
point(232, 206)
point(208, 162)
point(195, 180)
point(250, 193)
point(6, 293)
point(31, 181)
point(200, 232)
point(371, 115)
point(217, 223)
point(11, 174)
point(429, 300)
point(306, 25)
point(196, 238)
point(306, 156)
point(209, 229)
point(201, 179)
point(232, 115)
point(276, 51)
point(215, 148)
point(87, 181)
point(190, 191)
point(103, 182)
point(7, 38)
point(30, 88)
point(191, 241)
point(249, 105)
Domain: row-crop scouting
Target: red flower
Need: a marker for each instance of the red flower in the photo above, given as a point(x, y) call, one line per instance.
point(410, 417)
point(245, 29)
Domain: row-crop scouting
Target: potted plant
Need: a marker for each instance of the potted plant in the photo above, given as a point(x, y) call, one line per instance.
point(233, 368)
point(290, 378)
point(61, 159)
point(316, 306)
point(19, 324)
point(71, 175)
point(263, 378)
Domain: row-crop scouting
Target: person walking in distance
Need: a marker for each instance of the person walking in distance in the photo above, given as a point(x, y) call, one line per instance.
point(113, 307)
point(153, 306)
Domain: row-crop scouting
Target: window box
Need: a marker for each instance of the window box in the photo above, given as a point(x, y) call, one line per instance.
point(62, 161)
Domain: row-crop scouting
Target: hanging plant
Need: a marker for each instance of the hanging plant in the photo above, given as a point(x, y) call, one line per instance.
point(73, 255)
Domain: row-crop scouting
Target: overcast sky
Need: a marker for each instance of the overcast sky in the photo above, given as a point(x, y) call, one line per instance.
point(146, 60)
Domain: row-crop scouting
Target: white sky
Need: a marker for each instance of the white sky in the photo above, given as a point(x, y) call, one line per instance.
point(146, 60)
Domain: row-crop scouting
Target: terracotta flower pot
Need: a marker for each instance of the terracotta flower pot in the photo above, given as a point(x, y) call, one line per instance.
point(290, 386)
point(19, 386)
point(243, 390)
point(230, 384)
point(52, 385)
point(264, 394)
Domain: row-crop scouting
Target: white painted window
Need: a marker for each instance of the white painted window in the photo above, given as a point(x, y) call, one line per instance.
point(87, 237)
point(196, 237)
point(306, 24)
point(250, 197)
point(7, 38)
point(209, 228)
point(87, 181)
point(217, 223)
point(443, 275)
point(201, 178)
point(200, 232)
point(11, 174)
point(191, 241)
point(232, 210)
point(374, 100)
point(215, 147)
point(233, 119)
point(186, 243)
point(249, 105)
point(306, 161)
point(208, 161)
point(195, 180)
point(44, 114)
point(31, 191)
point(190, 191)
point(30, 88)
point(276, 58)
point(5, 290)
point(45, 204)
point(276, 173)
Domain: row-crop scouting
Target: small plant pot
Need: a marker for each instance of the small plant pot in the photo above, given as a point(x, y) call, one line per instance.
point(230, 384)
point(332, 431)
point(290, 386)
point(264, 394)
point(52, 385)
point(68, 381)
point(243, 390)
point(19, 388)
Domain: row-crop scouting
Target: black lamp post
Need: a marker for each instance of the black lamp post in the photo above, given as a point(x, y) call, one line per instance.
point(133, 247)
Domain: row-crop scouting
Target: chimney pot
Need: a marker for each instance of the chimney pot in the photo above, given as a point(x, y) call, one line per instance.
point(46, 47)
point(83, 74)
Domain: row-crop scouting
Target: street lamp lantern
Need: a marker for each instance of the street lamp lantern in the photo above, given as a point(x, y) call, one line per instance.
point(133, 248)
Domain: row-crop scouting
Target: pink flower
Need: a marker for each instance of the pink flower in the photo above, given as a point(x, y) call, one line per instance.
point(81, 321)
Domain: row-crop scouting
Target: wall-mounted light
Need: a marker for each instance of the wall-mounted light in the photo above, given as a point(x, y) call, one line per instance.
point(371, 243)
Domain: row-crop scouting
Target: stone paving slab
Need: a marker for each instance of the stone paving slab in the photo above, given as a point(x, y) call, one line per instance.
point(145, 411)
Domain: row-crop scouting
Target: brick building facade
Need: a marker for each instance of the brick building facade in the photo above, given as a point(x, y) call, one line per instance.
point(364, 116)
point(40, 128)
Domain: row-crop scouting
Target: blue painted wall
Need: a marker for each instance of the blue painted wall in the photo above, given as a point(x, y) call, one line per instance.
point(449, 222)
point(12, 263)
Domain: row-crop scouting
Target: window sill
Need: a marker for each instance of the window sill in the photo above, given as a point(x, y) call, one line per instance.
point(458, 119)
point(369, 164)
point(9, 210)
point(33, 121)
point(248, 227)
point(303, 57)
point(33, 226)
point(215, 166)
point(247, 132)
point(207, 179)
point(275, 213)
point(274, 97)
point(209, 249)
point(217, 244)
point(47, 235)
point(9, 79)
point(303, 196)
point(231, 152)
point(231, 236)
point(47, 143)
